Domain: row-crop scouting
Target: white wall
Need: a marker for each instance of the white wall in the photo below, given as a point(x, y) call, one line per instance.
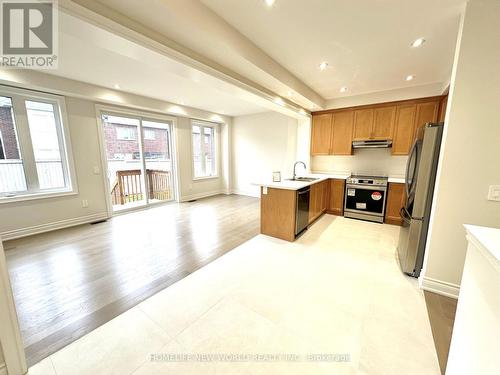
point(262, 143)
point(369, 161)
point(2, 362)
point(471, 146)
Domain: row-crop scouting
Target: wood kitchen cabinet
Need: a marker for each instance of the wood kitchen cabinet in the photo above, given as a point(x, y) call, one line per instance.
point(333, 131)
point(277, 213)
point(442, 108)
point(404, 129)
point(426, 112)
point(321, 134)
point(363, 124)
point(395, 201)
point(343, 123)
point(383, 123)
point(336, 197)
point(318, 199)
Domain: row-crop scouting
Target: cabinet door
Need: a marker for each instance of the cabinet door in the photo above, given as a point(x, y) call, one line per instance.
point(343, 123)
point(404, 129)
point(383, 125)
point(325, 192)
point(363, 124)
point(313, 202)
point(395, 200)
point(442, 108)
point(321, 134)
point(426, 112)
point(336, 198)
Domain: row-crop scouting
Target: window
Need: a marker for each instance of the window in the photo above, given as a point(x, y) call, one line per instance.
point(149, 134)
point(204, 150)
point(33, 155)
point(125, 133)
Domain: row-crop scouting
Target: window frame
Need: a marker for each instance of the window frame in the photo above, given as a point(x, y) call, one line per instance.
point(215, 127)
point(2, 147)
point(20, 116)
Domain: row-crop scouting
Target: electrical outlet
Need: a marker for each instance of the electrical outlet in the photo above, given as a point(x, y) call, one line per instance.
point(85, 203)
point(494, 193)
point(97, 170)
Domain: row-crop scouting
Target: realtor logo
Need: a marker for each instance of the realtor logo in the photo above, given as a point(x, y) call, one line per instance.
point(29, 37)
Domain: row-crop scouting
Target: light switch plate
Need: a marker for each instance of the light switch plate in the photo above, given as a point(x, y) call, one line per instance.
point(494, 193)
point(264, 190)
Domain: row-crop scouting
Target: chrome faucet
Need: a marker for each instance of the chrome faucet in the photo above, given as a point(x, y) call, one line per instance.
point(295, 165)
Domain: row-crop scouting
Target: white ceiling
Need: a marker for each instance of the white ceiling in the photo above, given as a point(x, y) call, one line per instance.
point(93, 55)
point(365, 42)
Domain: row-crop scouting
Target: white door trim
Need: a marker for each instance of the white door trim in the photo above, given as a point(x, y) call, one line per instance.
point(10, 335)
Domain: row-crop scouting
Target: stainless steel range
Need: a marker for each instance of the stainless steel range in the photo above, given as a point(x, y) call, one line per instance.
point(365, 198)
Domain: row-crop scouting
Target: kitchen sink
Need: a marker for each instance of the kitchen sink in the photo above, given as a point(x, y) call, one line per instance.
point(307, 179)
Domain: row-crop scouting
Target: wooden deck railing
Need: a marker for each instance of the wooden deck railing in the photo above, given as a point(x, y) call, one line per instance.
point(128, 188)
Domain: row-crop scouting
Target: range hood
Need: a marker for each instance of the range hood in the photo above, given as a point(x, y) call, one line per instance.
point(384, 143)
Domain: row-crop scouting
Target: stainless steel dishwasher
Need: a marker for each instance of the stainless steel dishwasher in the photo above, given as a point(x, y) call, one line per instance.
point(302, 210)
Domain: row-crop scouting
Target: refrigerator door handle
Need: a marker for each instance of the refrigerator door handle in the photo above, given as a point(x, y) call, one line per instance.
point(408, 162)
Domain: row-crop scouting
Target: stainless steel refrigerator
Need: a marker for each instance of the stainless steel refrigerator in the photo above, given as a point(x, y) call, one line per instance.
point(420, 179)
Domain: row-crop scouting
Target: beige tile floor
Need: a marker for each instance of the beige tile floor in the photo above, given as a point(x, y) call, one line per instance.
point(336, 290)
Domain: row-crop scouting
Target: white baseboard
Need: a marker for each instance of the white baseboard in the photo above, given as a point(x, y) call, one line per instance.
point(36, 229)
point(3, 369)
point(206, 194)
point(439, 287)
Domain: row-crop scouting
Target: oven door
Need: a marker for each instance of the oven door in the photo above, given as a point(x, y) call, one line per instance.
point(365, 198)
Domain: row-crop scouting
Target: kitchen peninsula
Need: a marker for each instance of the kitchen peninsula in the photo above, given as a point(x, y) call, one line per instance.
point(289, 206)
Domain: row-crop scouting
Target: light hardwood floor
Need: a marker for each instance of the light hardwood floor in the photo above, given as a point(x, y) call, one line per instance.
point(441, 311)
point(68, 282)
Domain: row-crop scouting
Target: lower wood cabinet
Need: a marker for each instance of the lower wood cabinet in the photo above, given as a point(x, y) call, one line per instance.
point(395, 201)
point(318, 200)
point(336, 197)
point(277, 213)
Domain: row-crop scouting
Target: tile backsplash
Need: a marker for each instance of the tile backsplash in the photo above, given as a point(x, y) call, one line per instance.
point(378, 162)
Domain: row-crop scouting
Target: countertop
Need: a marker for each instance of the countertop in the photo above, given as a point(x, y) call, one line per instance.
point(296, 185)
point(488, 239)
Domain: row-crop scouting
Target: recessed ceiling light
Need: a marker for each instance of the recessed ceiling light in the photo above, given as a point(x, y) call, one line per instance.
point(410, 77)
point(270, 3)
point(418, 42)
point(343, 89)
point(323, 65)
point(117, 86)
point(289, 94)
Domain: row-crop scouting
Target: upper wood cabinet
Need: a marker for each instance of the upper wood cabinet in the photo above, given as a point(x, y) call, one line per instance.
point(442, 108)
point(404, 129)
point(426, 112)
point(383, 124)
point(321, 134)
point(375, 123)
point(333, 132)
point(343, 123)
point(363, 124)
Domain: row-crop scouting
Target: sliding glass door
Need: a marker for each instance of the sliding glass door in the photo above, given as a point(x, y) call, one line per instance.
point(139, 160)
